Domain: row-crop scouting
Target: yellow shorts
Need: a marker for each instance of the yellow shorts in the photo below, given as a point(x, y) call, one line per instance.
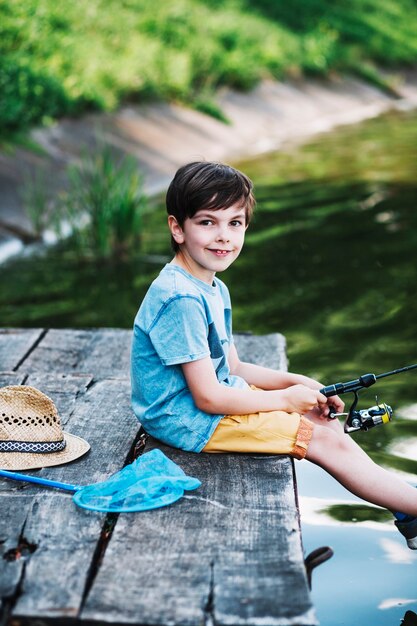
point(272, 432)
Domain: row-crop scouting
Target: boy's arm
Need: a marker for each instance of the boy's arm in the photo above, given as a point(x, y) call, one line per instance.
point(269, 379)
point(211, 396)
point(264, 377)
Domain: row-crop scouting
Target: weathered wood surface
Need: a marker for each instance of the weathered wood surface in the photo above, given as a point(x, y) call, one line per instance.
point(229, 552)
point(15, 345)
point(48, 544)
point(103, 352)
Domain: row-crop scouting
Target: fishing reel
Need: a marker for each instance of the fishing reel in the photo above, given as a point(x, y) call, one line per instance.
point(364, 419)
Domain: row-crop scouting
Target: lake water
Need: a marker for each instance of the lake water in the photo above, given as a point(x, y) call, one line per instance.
point(330, 261)
point(336, 244)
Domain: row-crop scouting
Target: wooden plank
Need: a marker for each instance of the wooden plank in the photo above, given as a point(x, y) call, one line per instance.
point(52, 583)
point(15, 344)
point(267, 350)
point(228, 553)
point(11, 378)
point(17, 500)
point(12, 520)
point(104, 352)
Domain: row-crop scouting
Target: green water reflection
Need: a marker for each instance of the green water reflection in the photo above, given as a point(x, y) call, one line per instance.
point(330, 261)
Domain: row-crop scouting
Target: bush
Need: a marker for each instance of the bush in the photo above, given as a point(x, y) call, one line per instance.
point(60, 58)
point(28, 97)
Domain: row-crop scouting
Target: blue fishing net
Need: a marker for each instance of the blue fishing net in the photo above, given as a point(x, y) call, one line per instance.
point(151, 481)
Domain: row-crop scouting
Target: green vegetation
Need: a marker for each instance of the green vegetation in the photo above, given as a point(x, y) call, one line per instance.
point(101, 208)
point(357, 513)
point(104, 205)
point(64, 58)
point(37, 203)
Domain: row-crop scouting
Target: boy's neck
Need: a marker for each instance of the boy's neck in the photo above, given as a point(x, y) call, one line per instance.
point(201, 274)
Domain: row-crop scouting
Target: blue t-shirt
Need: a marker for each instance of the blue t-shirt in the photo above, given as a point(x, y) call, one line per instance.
point(181, 319)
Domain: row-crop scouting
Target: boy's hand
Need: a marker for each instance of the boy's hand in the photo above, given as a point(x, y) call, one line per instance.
point(302, 399)
point(333, 404)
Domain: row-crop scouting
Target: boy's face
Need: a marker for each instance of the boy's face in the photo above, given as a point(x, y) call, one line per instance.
point(210, 240)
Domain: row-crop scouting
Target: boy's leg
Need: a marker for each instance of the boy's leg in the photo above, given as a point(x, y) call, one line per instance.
point(406, 524)
point(341, 457)
point(336, 426)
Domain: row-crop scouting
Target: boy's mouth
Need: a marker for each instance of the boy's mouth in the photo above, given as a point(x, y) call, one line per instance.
point(218, 252)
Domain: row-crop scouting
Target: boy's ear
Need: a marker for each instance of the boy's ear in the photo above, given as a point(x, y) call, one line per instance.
point(176, 230)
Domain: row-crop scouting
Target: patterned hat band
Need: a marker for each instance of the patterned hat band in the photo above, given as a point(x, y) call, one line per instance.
point(40, 447)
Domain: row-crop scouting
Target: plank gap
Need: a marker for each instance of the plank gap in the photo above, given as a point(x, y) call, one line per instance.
point(110, 522)
point(209, 608)
point(31, 349)
point(9, 602)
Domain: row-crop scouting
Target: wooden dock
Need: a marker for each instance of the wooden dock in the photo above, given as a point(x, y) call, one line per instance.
point(228, 553)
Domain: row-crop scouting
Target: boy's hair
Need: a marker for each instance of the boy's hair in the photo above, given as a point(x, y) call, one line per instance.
point(205, 185)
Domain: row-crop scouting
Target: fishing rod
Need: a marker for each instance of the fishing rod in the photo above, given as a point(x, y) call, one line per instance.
point(363, 419)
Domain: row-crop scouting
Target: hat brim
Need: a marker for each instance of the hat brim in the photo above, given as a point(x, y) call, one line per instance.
point(75, 447)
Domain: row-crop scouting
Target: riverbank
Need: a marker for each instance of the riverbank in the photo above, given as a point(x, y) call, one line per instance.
point(163, 136)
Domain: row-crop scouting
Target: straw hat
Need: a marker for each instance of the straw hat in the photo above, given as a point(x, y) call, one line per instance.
point(31, 435)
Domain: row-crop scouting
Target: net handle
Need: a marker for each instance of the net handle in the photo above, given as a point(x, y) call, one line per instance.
point(39, 481)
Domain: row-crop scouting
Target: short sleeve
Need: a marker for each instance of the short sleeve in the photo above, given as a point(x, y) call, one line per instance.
point(179, 333)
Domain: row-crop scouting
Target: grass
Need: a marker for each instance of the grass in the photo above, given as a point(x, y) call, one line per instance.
point(65, 58)
point(104, 205)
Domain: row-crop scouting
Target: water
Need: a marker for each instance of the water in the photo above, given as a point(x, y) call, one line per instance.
point(330, 261)
point(341, 266)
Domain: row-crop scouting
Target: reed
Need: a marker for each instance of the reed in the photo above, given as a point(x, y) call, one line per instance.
point(104, 204)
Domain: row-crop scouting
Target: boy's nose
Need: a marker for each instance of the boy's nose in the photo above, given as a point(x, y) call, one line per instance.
point(222, 235)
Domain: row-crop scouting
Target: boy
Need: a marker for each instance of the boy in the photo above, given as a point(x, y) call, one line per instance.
point(189, 388)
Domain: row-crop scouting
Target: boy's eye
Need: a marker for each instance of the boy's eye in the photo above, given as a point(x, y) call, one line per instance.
point(236, 223)
point(206, 222)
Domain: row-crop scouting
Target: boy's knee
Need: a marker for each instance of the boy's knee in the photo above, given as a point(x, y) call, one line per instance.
point(325, 439)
